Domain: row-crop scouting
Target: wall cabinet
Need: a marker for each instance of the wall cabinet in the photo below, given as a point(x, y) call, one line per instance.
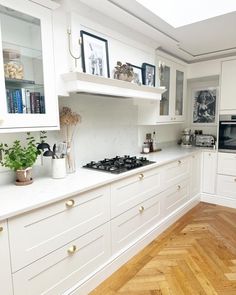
point(27, 78)
point(228, 91)
point(5, 268)
point(209, 172)
point(171, 107)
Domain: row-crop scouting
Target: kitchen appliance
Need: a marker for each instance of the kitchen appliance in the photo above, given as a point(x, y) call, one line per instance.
point(205, 140)
point(187, 138)
point(227, 133)
point(118, 164)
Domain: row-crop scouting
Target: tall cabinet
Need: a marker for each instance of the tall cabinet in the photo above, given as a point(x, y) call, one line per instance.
point(27, 79)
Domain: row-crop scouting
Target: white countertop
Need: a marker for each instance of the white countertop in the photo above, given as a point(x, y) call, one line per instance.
point(15, 200)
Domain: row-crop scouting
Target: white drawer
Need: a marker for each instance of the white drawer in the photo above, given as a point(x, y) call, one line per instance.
point(227, 163)
point(176, 171)
point(59, 271)
point(176, 196)
point(129, 226)
point(133, 190)
point(34, 235)
point(226, 186)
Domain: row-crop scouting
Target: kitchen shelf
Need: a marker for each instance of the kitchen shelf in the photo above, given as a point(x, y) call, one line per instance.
point(12, 83)
point(78, 82)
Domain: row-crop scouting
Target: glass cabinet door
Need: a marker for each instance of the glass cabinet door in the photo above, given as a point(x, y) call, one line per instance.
point(179, 96)
point(22, 61)
point(165, 97)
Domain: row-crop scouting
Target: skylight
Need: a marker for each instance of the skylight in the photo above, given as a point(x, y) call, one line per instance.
point(179, 13)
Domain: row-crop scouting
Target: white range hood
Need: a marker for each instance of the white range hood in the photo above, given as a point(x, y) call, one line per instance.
point(78, 82)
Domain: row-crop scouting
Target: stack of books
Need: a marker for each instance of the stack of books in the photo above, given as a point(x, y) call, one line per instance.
point(24, 101)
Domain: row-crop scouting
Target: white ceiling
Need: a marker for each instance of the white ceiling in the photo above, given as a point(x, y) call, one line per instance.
point(203, 40)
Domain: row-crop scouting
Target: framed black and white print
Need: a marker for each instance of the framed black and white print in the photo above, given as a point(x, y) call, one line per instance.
point(95, 58)
point(204, 105)
point(149, 74)
point(137, 74)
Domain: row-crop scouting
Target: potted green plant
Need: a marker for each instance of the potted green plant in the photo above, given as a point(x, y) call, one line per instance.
point(123, 72)
point(20, 158)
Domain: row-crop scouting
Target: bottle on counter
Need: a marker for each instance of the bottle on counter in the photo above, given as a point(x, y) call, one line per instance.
point(154, 140)
point(149, 141)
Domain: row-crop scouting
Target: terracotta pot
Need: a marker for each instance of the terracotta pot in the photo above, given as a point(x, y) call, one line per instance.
point(24, 177)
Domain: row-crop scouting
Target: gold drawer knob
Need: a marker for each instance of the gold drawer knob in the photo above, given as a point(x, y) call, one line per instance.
point(1, 228)
point(178, 187)
point(141, 176)
point(209, 154)
point(72, 249)
point(179, 162)
point(70, 203)
point(141, 209)
point(234, 181)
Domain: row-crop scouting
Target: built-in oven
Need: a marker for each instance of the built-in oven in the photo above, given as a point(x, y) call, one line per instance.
point(227, 133)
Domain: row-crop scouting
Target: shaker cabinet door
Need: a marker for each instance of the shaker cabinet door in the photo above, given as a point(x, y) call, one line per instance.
point(27, 81)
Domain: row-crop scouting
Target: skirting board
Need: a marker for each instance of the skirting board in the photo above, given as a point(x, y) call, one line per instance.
point(116, 261)
point(218, 200)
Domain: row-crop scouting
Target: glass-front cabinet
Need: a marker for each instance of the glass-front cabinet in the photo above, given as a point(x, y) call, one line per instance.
point(172, 76)
point(27, 78)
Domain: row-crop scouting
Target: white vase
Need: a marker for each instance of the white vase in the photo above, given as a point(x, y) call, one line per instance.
point(59, 168)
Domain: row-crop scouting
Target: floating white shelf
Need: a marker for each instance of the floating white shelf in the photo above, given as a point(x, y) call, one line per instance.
point(78, 82)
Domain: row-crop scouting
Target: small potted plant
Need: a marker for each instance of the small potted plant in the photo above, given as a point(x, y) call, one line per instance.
point(123, 72)
point(20, 158)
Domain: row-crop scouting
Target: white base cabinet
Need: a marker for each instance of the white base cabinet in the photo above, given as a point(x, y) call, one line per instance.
point(209, 163)
point(5, 266)
point(63, 247)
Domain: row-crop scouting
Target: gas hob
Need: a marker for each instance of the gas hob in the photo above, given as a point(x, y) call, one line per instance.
point(118, 164)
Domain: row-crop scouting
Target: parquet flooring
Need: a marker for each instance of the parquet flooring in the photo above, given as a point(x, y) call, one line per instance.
point(195, 256)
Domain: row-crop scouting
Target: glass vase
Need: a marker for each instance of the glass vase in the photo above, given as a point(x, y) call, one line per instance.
point(70, 158)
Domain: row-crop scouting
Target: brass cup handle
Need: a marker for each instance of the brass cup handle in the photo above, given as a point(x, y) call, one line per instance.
point(141, 209)
point(234, 179)
point(72, 249)
point(178, 187)
point(179, 162)
point(141, 176)
point(1, 228)
point(70, 203)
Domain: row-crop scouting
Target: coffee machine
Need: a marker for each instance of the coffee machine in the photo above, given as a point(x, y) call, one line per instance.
point(187, 138)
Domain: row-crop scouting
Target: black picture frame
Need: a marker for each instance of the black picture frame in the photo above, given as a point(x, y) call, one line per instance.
point(138, 74)
point(94, 54)
point(149, 74)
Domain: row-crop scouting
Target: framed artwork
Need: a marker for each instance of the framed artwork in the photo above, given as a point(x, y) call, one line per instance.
point(94, 52)
point(149, 74)
point(204, 104)
point(137, 74)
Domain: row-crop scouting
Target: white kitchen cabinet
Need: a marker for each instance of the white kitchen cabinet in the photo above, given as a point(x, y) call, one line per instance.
point(209, 172)
point(66, 266)
point(228, 90)
point(171, 108)
point(226, 186)
point(195, 172)
point(27, 79)
point(44, 230)
point(5, 267)
point(226, 164)
point(175, 196)
point(133, 190)
point(132, 224)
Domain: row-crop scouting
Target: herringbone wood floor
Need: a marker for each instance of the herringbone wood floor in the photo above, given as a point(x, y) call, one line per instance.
point(197, 255)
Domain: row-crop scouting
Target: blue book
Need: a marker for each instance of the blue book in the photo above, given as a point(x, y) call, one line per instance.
point(19, 102)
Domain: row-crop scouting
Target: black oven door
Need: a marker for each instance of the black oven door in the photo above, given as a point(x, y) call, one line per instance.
point(227, 135)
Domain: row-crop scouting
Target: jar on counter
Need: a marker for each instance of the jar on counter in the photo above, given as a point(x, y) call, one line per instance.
point(146, 148)
point(13, 68)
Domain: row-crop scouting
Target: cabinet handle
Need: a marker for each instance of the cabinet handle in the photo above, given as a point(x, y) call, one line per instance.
point(209, 154)
point(178, 187)
point(141, 176)
point(1, 228)
point(141, 209)
point(174, 118)
point(193, 156)
point(234, 181)
point(72, 249)
point(70, 203)
point(179, 162)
